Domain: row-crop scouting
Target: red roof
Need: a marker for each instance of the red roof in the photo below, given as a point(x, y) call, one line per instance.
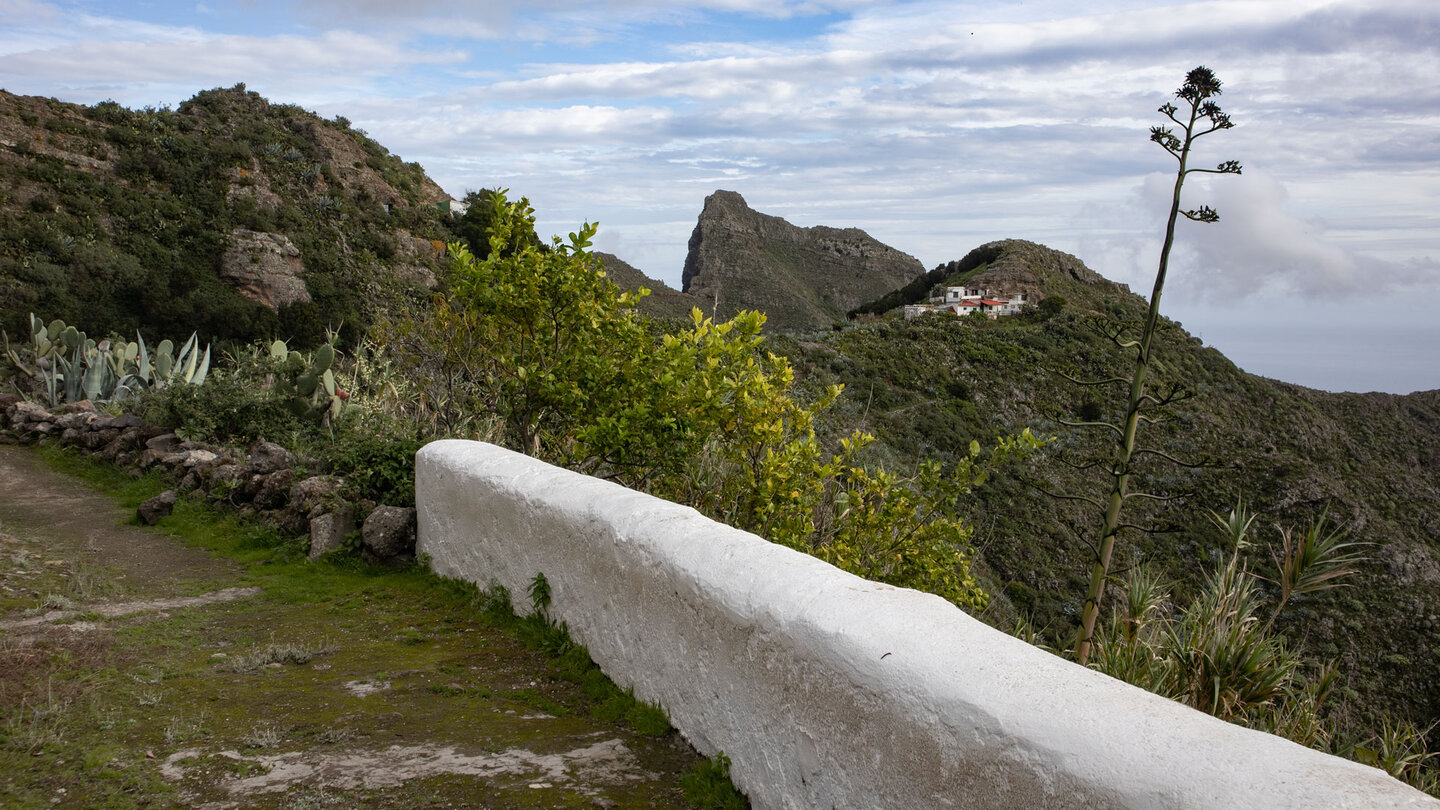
point(993, 303)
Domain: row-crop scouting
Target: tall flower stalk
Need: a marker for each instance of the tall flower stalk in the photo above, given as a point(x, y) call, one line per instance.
point(1196, 116)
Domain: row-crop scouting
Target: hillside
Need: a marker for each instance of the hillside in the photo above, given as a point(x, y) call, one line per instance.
point(930, 385)
point(229, 214)
point(801, 278)
point(663, 302)
point(242, 219)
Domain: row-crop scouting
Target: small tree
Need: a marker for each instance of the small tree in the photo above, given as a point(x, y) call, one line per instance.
point(1197, 117)
point(561, 338)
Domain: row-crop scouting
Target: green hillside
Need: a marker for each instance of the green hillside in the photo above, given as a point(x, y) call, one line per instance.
point(928, 386)
point(243, 219)
point(228, 214)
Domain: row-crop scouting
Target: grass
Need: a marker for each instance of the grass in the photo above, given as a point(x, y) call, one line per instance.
point(708, 786)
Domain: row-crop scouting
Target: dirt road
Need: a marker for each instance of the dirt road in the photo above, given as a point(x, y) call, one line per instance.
point(138, 669)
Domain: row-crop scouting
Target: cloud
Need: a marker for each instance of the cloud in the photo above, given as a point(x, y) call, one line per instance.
point(554, 20)
point(288, 64)
point(1259, 247)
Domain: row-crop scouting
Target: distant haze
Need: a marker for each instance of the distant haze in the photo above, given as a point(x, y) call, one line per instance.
point(934, 126)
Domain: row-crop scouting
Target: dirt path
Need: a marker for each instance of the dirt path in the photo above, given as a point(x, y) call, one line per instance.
point(138, 671)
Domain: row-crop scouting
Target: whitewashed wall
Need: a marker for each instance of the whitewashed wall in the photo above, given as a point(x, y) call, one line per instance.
point(830, 691)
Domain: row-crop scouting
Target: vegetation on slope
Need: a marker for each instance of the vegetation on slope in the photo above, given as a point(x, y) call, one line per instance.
point(113, 219)
point(928, 386)
point(710, 416)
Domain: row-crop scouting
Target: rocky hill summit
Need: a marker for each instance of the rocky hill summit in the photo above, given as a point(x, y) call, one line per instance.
point(801, 278)
point(229, 214)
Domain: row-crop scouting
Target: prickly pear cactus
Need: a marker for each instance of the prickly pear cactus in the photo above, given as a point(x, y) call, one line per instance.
point(308, 384)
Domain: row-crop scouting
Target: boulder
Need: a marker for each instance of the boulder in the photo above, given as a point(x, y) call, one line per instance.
point(29, 412)
point(121, 422)
point(275, 489)
point(164, 443)
point(157, 508)
point(389, 535)
point(313, 495)
point(112, 451)
point(96, 439)
point(188, 459)
point(83, 406)
point(267, 457)
point(327, 531)
point(76, 419)
point(225, 476)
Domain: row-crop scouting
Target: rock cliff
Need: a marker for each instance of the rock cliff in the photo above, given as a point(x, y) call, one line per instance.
point(801, 278)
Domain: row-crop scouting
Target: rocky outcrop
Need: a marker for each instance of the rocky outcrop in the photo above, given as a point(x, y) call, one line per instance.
point(264, 267)
point(801, 278)
point(353, 167)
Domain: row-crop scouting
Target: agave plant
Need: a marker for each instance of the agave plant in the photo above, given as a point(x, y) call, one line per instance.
point(68, 366)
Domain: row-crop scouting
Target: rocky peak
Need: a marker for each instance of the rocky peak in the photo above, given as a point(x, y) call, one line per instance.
point(801, 278)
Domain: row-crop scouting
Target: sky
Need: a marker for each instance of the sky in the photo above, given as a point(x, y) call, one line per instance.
point(933, 126)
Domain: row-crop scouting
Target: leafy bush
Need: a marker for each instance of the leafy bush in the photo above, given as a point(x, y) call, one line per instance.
point(536, 342)
point(377, 457)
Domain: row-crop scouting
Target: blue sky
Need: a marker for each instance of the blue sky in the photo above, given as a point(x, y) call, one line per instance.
point(935, 126)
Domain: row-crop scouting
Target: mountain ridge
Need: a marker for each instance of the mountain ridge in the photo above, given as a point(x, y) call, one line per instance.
point(801, 278)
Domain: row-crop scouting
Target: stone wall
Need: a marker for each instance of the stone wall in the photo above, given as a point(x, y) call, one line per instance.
point(264, 481)
point(830, 691)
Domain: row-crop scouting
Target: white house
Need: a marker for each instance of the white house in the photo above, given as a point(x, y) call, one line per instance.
point(454, 208)
point(962, 301)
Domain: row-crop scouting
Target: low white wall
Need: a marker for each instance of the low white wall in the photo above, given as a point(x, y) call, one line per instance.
point(830, 691)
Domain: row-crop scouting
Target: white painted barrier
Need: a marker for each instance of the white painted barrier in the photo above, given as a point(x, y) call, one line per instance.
point(830, 691)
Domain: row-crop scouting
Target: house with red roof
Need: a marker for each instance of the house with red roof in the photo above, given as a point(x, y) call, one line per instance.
point(962, 301)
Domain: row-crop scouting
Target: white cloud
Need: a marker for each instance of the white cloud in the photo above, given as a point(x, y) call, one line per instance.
point(1261, 247)
point(287, 64)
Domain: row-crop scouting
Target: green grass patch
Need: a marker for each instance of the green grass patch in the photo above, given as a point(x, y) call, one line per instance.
point(708, 786)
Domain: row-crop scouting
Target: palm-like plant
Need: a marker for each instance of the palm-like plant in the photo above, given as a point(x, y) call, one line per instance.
point(1313, 561)
point(1220, 654)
